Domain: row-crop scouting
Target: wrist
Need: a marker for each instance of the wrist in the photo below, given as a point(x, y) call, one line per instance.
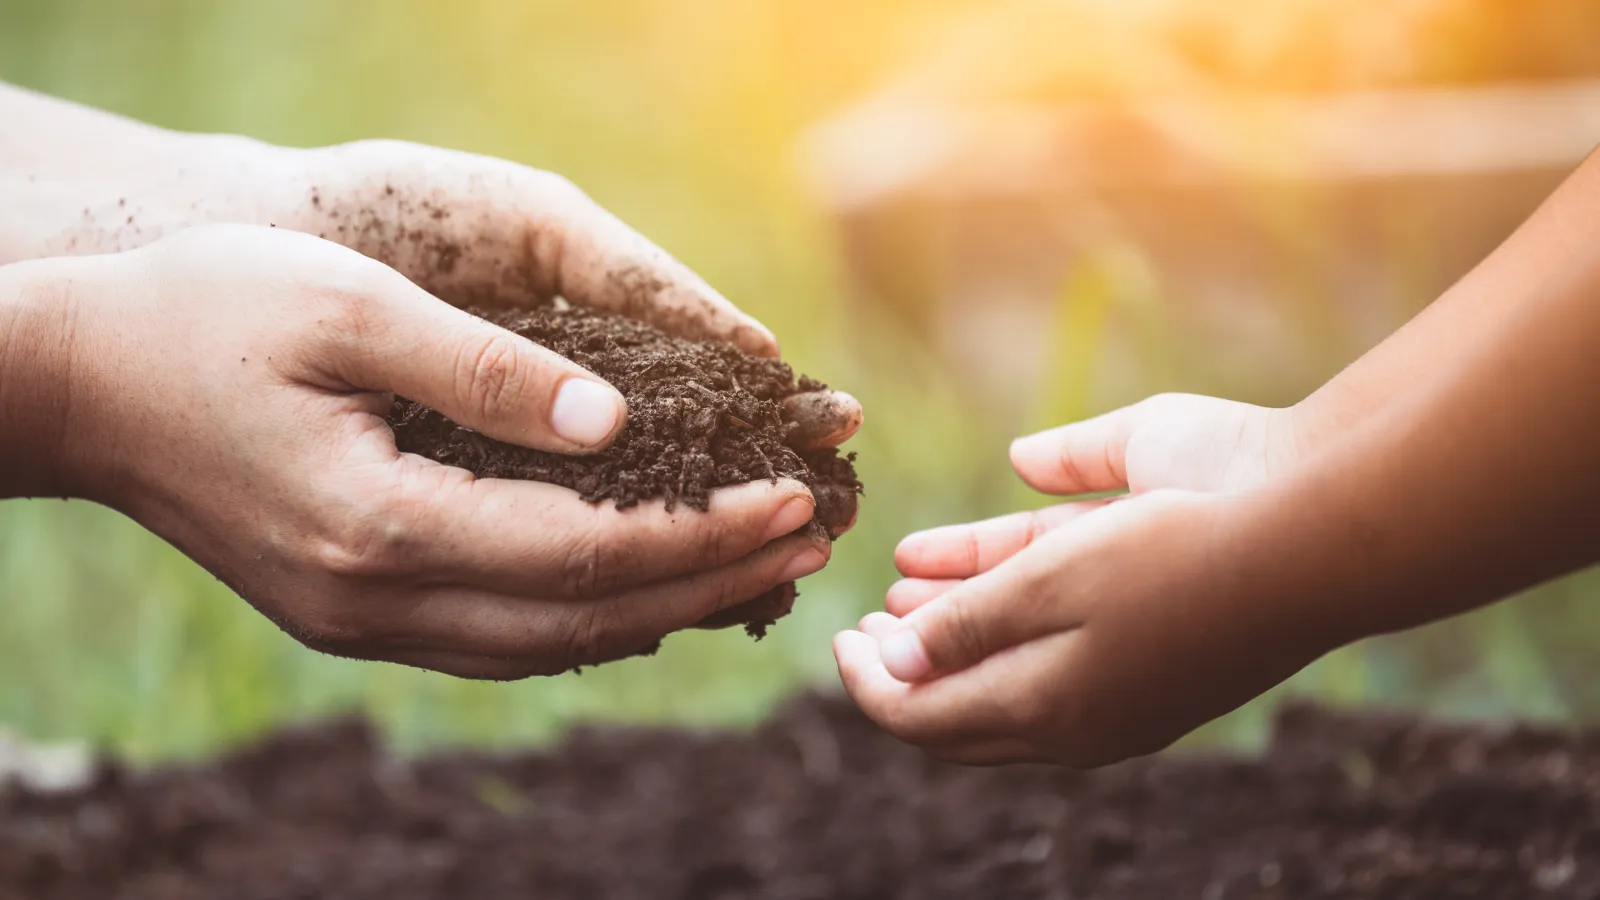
point(1311, 424)
point(1301, 598)
point(41, 316)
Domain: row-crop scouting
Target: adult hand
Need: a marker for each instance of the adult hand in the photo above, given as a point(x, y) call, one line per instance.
point(470, 229)
point(228, 388)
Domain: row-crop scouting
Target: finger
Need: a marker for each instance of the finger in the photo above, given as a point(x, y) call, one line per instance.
point(910, 594)
point(397, 338)
point(940, 712)
point(768, 607)
point(837, 507)
point(962, 551)
point(1080, 458)
point(822, 419)
point(878, 624)
point(521, 537)
point(548, 638)
point(603, 263)
point(977, 619)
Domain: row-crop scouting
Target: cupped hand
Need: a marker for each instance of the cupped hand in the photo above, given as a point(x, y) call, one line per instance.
point(1169, 441)
point(1098, 640)
point(229, 391)
point(992, 647)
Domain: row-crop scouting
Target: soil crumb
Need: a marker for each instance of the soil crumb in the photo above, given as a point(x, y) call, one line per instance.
point(818, 803)
point(701, 415)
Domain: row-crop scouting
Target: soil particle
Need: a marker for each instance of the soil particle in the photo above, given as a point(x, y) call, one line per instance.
point(701, 415)
point(818, 803)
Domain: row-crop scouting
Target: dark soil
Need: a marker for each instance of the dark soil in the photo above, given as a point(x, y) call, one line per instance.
point(701, 415)
point(820, 804)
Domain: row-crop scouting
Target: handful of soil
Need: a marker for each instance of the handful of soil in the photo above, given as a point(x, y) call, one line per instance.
point(701, 415)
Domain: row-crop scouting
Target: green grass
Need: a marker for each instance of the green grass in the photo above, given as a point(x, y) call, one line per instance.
point(682, 118)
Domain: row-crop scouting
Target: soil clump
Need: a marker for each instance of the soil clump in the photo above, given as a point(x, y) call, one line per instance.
point(701, 415)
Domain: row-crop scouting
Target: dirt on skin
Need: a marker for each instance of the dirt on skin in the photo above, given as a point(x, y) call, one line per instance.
point(701, 415)
point(820, 805)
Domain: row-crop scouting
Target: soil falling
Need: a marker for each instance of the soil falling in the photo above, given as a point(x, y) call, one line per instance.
point(701, 415)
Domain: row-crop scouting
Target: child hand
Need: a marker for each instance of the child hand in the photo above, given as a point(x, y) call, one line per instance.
point(1066, 634)
point(1091, 643)
point(1180, 441)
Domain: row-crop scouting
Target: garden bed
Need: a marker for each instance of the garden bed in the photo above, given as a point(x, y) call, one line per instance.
point(817, 803)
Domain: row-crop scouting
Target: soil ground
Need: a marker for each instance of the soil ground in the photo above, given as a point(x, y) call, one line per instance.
point(701, 415)
point(819, 804)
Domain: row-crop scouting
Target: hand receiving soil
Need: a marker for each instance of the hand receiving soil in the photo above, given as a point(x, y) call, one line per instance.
point(998, 646)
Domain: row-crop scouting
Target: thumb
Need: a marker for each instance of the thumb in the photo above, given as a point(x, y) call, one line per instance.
point(479, 375)
point(968, 624)
point(1080, 458)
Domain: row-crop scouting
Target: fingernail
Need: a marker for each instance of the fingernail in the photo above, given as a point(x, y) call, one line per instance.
point(586, 412)
point(903, 655)
point(790, 517)
point(807, 563)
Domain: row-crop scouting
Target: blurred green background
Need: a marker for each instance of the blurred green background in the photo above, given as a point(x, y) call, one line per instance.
point(682, 117)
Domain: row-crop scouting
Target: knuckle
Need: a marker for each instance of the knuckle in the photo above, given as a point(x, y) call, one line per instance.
point(972, 547)
point(1071, 469)
point(490, 376)
point(360, 554)
point(370, 544)
point(345, 305)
